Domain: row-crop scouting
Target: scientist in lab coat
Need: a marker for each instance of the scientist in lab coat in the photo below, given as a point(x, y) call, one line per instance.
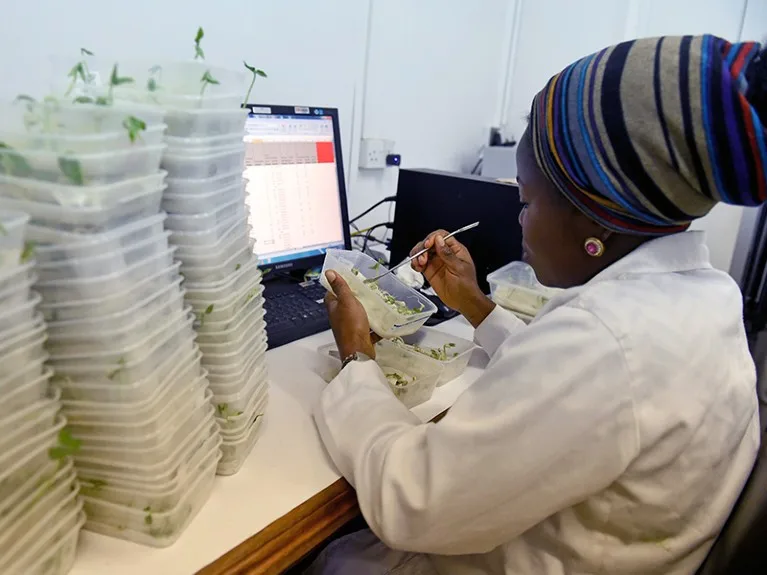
point(615, 432)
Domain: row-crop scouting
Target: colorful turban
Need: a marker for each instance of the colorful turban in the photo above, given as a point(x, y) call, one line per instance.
point(646, 136)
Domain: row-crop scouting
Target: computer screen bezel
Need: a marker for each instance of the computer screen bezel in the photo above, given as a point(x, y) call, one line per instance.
point(311, 261)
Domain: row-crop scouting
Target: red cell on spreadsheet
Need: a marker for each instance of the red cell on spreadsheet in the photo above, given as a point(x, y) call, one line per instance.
point(325, 153)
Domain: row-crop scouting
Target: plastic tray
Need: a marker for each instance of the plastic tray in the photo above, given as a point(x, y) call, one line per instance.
point(204, 123)
point(29, 421)
point(424, 372)
point(453, 353)
point(18, 398)
point(97, 404)
point(84, 169)
point(39, 477)
point(241, 314)
point(228, 288)
point(233, 361)
point(192, 166)
point(29, 371)
point(15, 361)
point(12, 227)
point(89, 220)
point(58, 555)
point(147, 527)
point(113, 303)
point(202, 222)
point(83, 143)
point(205, 145)
point(234, 454)
point(10, 317)
point(101, 287)
point(22, 328)
point(238, 402)
point(232, 382)
point(235, 425)
point(213, 257)
point(385, 319)
point(516, 288)
point(70, 246)
point(211, 236)
point(13, 278)
point(221, 271)
point(227, 342)
point(234, 233)
point(178, 188)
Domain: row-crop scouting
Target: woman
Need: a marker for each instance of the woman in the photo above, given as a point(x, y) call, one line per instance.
point(615, 432)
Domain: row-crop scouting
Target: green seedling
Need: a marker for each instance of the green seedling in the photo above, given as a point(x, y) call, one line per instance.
point(198, 52)
point(377, 266)
point(80, 71)
point(256, 73)
point(207, 79)
point(31, 118)
point(13, 163)
point(67, 446)
point(134, 126)
point(223, 411)
point(237, 267)
point(203, 314)
point(72, 170)
point(28, 252)
point(92, 485)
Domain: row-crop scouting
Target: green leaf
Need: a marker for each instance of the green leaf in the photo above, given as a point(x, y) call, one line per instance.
point(117, 80)
point(25, 98)
point(261, 73)
point(85, 52)
point(209, 309)
point(148, 519)
point(237, 267)
point(134, 126)
point(208, 78)
point(28, 252)
point(102, 101)
point(198, 53)
point(72, 170)
point(83, 100)
point(67, 446)
point(249, 67)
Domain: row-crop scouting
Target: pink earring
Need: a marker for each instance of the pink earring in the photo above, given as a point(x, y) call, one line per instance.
point(594, 247)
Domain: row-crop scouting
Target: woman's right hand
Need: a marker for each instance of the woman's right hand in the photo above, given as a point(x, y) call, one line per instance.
point(448, 267)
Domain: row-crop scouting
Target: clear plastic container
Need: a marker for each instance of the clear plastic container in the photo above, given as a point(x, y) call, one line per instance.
point(204, 221)
point(213, 257)
point(12, 227)
point(113, 303)
point(13, 280)
point(235, 453)
point(21, 356)
point(38, 478)
point(21, 328)
point(204, 145)
point(220, 291)
point(411, 376)
point(71, 246)
point(160, 499)
point(10, 317)
point(126, 372)
point(237, 402)
point(146, 526)
point(83, 143)
point(139, 317)
point(189, 204)
point(233, 361)
point(234, 233)
point(192, 166)
point(221, 271)
point(210, 236)
point(21, 462)
point(239, 316)
point(516, 288)
point(92, 288)
point(105, 264)
point(83, 169)
point(227, 342)
point(204, 123)
point(97, 404)
point(235, 425)
point(88, 220)
point(67, 119)
point(202, 187)
point(58, 552)
point(406, 310)
point(453, 353)
point(228, 381)
point(29, 421)
point(83, 197)
point(29, 371)
point(18, 398)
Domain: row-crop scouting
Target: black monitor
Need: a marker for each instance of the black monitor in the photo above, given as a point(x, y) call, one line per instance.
point(295, 184)
point(429, 200)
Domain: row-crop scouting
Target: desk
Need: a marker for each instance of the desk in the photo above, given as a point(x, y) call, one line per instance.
point(287, 467)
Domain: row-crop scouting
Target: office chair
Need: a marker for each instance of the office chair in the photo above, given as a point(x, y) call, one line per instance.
point(740, 548)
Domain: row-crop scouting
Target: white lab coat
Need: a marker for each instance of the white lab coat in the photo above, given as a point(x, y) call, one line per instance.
point(611, 435)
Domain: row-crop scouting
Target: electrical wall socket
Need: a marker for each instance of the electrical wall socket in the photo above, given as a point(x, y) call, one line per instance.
point(373, 153)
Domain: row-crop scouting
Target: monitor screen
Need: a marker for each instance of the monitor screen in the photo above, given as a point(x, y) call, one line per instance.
point(293, 190)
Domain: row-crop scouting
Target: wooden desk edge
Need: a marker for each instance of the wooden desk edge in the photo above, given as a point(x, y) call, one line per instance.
point(283, 543)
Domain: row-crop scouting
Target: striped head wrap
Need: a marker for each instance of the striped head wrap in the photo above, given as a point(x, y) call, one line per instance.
point(646, 136)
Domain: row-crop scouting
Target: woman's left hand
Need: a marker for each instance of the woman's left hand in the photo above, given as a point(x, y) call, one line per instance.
point(348, 319)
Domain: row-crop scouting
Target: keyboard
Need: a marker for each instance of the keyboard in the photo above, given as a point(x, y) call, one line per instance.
point(294, 311)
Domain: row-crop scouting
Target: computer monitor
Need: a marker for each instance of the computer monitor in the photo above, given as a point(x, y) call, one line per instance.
point(295, 185)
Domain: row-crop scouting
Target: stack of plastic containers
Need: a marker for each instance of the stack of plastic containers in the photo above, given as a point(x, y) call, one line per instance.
point(40, 512)
point(120, 339)
point(207, 220)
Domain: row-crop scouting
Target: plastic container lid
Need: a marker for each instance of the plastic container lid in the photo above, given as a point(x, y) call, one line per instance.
point(204, 145)
point(197, 166)
point(204, 123)
point(205, 186)
point(210, 236)
point(229, 314)
point(214, 257)
point(83, 143)
point(221, 271)
point(204, 221)
point(406, 310)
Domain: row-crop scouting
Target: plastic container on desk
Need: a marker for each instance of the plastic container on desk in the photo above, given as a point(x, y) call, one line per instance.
point(58, 552)
point(88, 220)
point(21, 328)
point(22, 352)
point(10, 317)
point(232, 341)
point(12, 227)
point(238, 243)
point(82, 197)
point(234, 453)
point(231, 382)
point(93, 143)
point(236, 233)
point(92, 288)
point(84, 169)
point(15, 281)
point(197, 166)
point(386, 319)
point(212, 235)
point(417, 374)
point(237, 402)
point(147, 358)
point(113, 303)
point(17, 398)
point(452, 352)
point(29, 371)
point(145, 526)
point(230, 287)
point(96, 404)
point(67, 245)
point(189, 204)
point(244, 317)
point(221, 271)
point(39, 477)
point(29, 421)
point(189, 123)
point(233, 361)
point(235, 425)
point(205, 145)
point(179, 188)
point(202, 222)
point(516, 288)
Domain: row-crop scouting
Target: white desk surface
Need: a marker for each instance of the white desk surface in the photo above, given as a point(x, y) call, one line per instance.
point(287, 466)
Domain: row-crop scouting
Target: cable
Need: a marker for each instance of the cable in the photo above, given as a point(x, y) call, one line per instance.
point(371, 208)
point(366, 234)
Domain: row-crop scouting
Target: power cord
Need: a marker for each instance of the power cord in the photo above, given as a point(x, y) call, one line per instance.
point(367, 234)
point(373, 207)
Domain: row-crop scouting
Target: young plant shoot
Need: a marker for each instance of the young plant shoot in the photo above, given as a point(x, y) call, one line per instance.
point(256, 73)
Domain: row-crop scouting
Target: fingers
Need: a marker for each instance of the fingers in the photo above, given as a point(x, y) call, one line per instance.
point(340, 288)
point(419, 264)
